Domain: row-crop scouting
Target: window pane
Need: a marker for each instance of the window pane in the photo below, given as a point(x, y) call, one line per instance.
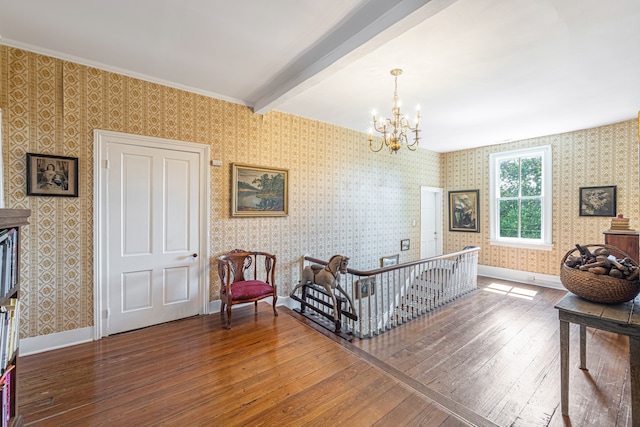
point(531, 225)
point(531, 176)
point(520, 186)
point(509, 178)
point(508, 218)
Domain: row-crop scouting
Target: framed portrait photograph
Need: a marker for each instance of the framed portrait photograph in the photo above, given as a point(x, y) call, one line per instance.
point(404, 244)
point(49, 175)
point(464, 211)
point(365, 287)
point(388, 261)
point(259, 191)
point(598, 201)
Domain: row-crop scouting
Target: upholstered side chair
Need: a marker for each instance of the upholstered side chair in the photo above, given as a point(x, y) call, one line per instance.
point(246, 276)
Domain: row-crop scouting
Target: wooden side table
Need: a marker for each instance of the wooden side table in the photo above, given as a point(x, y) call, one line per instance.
point(622, 319)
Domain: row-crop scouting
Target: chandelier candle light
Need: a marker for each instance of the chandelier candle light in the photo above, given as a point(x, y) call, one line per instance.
point(394, 130)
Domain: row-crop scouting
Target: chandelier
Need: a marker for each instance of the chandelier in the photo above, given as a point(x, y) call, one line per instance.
point(394, 130)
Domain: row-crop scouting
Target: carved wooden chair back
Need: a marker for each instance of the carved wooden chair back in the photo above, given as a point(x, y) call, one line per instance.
point(244, 280)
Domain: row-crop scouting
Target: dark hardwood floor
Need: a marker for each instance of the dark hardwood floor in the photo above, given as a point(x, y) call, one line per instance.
point(488, 358)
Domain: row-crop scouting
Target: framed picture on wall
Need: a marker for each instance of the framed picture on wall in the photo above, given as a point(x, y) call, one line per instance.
point(259, 191)
point(365, 287)
point(598, 201)
point(49, 175)
point(464, 211)
point(388, 261)
point(404, 244)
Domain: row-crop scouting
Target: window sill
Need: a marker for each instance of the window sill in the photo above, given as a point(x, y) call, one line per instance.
point(522, 245)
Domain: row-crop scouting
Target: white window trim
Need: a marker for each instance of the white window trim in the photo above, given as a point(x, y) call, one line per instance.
point(547, 210)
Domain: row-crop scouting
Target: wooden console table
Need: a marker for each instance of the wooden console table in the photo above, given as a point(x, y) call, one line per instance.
point(622, 319)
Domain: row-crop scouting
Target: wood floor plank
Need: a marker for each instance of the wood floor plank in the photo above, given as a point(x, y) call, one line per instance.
point(487, 357)
point(357, 401)
point(200, 385)
point(410, 411)
point(172, 360)
point(504, 363)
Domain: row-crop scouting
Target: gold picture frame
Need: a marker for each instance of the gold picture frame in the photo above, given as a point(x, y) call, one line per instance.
point(259, 191)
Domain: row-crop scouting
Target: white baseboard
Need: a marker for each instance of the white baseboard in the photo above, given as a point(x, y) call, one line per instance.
point(54, 341)
point(546, 280)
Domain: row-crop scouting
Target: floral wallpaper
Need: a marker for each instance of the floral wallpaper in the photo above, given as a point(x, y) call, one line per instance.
point(602, 156)
point(342, 197)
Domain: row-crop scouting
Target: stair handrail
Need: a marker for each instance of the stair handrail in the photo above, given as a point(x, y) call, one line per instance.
point(397, 266)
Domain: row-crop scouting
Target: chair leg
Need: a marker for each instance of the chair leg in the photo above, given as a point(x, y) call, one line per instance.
point(228, 319)
point(255, 306)
point(229, 316)
point(275, 298)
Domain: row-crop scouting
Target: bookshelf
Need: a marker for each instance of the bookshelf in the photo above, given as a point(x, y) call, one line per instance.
point(11, 221)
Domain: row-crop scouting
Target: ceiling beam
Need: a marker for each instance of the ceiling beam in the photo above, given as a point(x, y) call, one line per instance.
point(367, 28)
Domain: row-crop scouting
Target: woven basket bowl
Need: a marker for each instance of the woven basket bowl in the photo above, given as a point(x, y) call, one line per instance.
point(597, 287)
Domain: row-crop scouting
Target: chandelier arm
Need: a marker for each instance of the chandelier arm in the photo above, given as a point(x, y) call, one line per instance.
point(371, 145)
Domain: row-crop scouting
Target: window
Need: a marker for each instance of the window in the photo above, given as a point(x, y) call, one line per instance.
point(520, 194)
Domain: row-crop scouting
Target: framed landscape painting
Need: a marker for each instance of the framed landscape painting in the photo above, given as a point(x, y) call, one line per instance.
point(259, 191)
point(388, 261)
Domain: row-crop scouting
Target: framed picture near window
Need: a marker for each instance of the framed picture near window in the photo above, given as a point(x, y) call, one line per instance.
point(598, 201)
point(259, 191)
point(49, 175)
point(464, 211)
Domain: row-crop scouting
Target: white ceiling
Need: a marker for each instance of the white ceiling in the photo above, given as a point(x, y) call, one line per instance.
point(482, 71)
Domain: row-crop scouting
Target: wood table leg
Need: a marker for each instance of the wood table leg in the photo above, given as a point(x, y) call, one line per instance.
point(634, 364)
point(583, 347)
point(564, 367)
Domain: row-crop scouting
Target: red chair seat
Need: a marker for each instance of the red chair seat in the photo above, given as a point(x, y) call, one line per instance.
point(250, 289)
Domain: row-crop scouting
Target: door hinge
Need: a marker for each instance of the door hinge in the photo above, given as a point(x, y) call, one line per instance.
point(106, 164)
point(107, 313)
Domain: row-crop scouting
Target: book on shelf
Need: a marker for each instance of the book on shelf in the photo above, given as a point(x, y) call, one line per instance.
point(9, 259)
point(5, 385)
point(13, 235)
point(9, 330)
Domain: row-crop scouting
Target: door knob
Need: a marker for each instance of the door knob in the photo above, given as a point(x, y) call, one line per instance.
point(195, 255)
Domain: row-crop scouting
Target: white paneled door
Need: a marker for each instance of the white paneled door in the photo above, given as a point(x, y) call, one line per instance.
point(153, 235)
point(430, 222)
